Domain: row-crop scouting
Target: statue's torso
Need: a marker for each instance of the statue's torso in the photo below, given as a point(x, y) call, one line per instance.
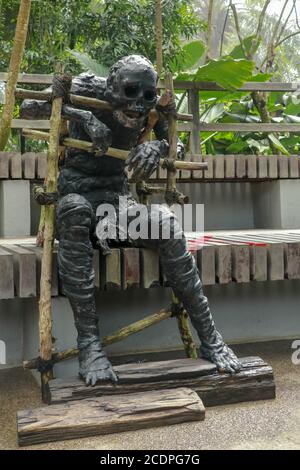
point(103, 178)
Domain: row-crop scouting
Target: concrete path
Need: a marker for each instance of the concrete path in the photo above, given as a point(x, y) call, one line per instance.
point(260, 425)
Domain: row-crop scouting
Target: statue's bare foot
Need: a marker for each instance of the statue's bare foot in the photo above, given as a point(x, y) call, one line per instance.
point(224, 359)
point(94, 367)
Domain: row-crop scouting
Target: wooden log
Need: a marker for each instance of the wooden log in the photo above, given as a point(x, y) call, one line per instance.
point(111, 339)
point(108, 415)
point(24, 270)
point(6, 275)
point(254, 382)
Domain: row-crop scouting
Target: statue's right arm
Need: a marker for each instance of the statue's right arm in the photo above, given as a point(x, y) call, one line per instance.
point(84, 85)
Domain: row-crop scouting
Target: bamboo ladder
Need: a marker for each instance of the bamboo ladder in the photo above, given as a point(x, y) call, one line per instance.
point(57, 141)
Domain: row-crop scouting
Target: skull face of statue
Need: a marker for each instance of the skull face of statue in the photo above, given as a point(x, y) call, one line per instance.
point(131, 89)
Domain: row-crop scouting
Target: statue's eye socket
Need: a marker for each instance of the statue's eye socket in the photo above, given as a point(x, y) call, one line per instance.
point(150, 95)
point(131, 91)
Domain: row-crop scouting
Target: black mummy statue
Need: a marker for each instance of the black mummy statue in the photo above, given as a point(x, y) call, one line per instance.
point(86, 182)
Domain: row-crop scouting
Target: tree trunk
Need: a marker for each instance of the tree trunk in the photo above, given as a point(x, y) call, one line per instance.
point(14, 69)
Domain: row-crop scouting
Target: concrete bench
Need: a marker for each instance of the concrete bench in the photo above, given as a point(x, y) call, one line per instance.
point(226, 257)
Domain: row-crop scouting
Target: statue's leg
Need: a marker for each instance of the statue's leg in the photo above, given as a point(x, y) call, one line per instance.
point(182, 275)
point(75, 220)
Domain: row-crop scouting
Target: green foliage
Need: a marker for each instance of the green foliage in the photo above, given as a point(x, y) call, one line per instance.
point(105, 30)
point(188, 57)
point(89, 64)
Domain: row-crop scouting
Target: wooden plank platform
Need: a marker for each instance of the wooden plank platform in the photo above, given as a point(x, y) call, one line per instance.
point(222, 257)
point(254, 382)
point(109, 414)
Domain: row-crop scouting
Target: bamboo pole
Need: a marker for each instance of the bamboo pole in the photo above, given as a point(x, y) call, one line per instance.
point(14, 69)
point(159, 36)
point(92, 103)
point(119, 335)
point(45, 312)
point(171, 189)
point(111, 152)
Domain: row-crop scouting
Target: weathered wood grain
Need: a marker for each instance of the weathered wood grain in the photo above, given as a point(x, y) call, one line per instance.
point(240, 263)
point(28, 164)
point(241, 168)
point(15, 165)
point(4, 165)
point(230, 166)
point(150, 274)
point(130, 268)
point(251, 166)
point(206, 261)
point(262, 167)
point(254, 382)
point(6, 275)
point(109, 414)
point(111, 270)
point(24, 262)
point(223, 264)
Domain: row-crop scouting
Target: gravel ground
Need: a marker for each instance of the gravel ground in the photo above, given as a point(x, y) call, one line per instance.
point(260, 425)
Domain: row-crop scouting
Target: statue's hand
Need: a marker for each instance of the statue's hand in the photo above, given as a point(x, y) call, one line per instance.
point(144, 159)
point(101, 135)
point(224, 359)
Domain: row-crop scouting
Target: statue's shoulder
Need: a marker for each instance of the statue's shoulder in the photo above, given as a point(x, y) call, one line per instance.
point(89, 85)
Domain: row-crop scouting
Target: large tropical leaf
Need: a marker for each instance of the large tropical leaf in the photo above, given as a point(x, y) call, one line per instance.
point(189, 56)
point(229, 73)
point(238, 51)
point(277, 144)
point(89, 64)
